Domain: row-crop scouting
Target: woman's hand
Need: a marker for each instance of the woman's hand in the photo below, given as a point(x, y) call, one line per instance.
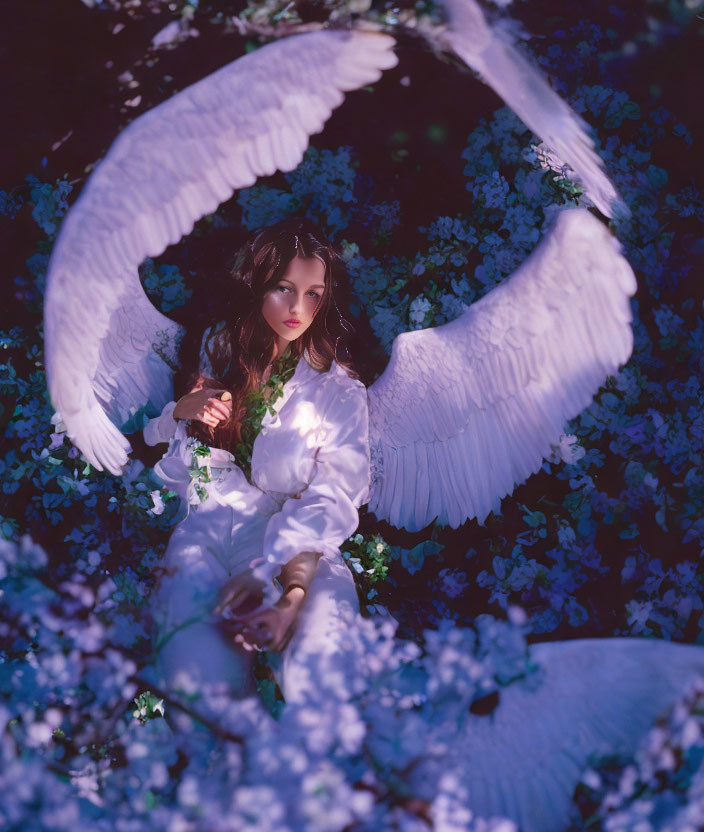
point(270, 628)
point(242, 594)
point(204, 403)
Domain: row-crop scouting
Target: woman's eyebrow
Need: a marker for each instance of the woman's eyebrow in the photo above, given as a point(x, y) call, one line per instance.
point(315, 286)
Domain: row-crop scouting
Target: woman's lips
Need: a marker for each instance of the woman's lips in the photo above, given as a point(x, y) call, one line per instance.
point(292, 323)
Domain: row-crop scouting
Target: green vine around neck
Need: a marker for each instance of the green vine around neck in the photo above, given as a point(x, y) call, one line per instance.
point(257, 403)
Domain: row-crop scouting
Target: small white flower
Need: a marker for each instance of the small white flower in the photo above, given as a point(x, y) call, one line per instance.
point(158, 503)
point(548, 160)
point(356, 565)
point(58, 423)
point(569, 450)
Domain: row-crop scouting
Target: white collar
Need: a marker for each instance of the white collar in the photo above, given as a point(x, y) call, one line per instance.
point(308, 370)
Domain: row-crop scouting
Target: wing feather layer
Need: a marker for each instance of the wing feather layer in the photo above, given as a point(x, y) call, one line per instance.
point(166, 170)
point(593, 697)
point(490, 392)
point(492, 53)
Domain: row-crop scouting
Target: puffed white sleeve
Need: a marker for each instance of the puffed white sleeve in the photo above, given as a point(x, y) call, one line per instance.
point(161, 428)
point(326, 513)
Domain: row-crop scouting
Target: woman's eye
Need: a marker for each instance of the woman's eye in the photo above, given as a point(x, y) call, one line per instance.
point(288, 289)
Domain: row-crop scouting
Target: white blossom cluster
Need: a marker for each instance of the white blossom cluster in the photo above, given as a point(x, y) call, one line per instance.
point(662, 788)
point(75, 750)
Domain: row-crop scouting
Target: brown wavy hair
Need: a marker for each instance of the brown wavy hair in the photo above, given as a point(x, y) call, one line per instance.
point(241, 350)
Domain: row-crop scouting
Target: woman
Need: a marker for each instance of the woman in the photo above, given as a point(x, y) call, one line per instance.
point(264, 519)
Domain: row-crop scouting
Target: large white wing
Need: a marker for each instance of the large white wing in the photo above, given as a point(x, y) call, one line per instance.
point(166, 170)
point(597, 696)
point(524, 88)
point(465, 411)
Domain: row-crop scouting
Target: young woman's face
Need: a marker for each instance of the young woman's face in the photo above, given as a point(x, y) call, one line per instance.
point(289, 308)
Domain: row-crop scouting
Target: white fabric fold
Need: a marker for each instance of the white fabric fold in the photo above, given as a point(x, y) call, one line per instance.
point(162, 427)
point(326, 512)
point(310, 471)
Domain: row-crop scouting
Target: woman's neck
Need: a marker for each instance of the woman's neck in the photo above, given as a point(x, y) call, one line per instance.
point(281, 347)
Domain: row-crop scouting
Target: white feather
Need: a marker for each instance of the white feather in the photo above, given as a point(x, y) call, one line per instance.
point(593, 696)
point(490, 391)
point(165, 171)
point(492, 54)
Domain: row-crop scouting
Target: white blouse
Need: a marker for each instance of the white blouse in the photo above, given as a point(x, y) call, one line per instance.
point(310, 466)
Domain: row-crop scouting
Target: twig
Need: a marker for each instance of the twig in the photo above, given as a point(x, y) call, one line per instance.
point(210, 725)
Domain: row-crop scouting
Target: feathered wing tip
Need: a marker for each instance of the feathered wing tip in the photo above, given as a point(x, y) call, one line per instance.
point(591, 697)
point(166, 170)
point(491, 52)
point(466, 411)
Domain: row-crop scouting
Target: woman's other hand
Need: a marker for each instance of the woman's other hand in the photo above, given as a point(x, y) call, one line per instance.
point(205, 404)
point(270, 628)
point(242, 594)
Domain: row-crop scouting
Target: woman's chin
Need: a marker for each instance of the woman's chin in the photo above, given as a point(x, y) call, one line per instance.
point(291, 332)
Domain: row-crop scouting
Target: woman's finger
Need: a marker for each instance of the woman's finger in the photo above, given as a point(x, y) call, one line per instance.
point(253, 642)
point(215, 412)
point(244, 642)
point(213, 415)
point(259, 630)
point(219, 408)
point(236, 588)
point(243, 623)
point(226, 604)
point(240, 641)
point(235, 597)
point(227, 594)
point(266, 619)
point(250, 604)
point(216, 395)
point(231, 603)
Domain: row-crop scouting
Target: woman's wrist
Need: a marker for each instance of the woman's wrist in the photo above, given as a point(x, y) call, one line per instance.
point(298, 573)
point(178, 413)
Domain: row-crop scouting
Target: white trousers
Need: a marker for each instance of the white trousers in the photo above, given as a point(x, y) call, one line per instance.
point(205, 550)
